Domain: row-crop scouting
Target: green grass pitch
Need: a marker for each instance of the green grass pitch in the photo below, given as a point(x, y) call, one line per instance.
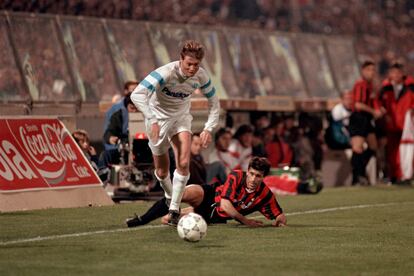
point(372, 234)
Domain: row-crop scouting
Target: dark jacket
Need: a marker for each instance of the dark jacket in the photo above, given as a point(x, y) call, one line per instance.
point(198, 172)
point(115, 127)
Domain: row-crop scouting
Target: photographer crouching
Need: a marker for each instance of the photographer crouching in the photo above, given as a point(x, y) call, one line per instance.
point(115, 135)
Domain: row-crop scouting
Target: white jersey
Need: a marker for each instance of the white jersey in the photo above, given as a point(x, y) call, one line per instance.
point(242, 154)
point(225, 158)
point(340, 113)
point(165, 93)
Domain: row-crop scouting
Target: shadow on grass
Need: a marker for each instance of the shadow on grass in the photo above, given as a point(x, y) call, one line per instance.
point(202, 245)
point(294, 225)
point(29, 245)
point(16, 214)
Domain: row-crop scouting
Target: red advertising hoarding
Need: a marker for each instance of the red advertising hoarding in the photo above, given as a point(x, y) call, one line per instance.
point(41, 154)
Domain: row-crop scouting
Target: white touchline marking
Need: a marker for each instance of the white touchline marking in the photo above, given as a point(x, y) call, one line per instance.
point(55, 237)
point(315, 211)
point(318, 211)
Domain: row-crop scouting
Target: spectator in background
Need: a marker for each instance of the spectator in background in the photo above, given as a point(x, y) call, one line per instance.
point(397, 98)
point(361, 128)
point(288, 125)
point(116, 134)
point(261, 121)
point(303, 153)
point(312, 128)
point(342, 111)
point(200, 172)
point(258, 146)
point(220, 153)
point(337, 134)
point(278, 151)
point(129, 86)
point(241, 146)
point(82, 138)
point(268, 135)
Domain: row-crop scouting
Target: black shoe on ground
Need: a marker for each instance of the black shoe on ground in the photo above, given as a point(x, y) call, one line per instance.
point(360, 181)
point(363, 181)
point(173, 217)
point(134, 221)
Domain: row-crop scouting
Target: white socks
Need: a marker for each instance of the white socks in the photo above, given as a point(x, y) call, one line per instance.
point(166, 185)
point(179, 183)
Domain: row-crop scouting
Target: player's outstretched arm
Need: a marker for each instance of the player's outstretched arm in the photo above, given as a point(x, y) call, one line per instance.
point(228, 207)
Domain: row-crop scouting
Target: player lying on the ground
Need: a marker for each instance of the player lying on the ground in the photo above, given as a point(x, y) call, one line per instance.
point(241, 194)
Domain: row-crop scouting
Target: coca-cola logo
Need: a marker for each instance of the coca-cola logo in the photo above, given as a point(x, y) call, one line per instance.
point(46, 147)
point(13, 164)
point(39, 154)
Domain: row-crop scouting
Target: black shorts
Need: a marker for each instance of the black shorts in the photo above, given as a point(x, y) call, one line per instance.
point(380, 128)
point(207, 208)
point(360, 124)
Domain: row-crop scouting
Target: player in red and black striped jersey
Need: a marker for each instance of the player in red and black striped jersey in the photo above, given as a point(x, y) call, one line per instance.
point(243, 193)
point(361, 128)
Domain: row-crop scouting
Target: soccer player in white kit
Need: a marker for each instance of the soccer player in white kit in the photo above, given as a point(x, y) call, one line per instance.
point(164, 99)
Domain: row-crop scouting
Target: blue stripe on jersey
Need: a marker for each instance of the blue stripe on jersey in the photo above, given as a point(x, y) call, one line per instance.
point(147, 85)
point(211, 93)
point(158, 77)
point(206, 85)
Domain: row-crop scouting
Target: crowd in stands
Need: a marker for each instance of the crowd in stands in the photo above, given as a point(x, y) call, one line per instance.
point(383, 28)
point(284, 140)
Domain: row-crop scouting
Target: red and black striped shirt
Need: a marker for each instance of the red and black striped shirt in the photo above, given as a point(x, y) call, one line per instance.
point(262, 199)
point(362, 93)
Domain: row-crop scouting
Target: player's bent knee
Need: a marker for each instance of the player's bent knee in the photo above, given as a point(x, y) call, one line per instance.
point(193, 195)
point(184, 165)
point(161, 173)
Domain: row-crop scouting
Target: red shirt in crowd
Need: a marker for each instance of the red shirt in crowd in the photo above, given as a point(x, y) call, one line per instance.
point(279, 153)
point(396, 105)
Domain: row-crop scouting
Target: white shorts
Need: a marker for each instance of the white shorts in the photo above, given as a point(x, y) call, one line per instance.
point(168, 128)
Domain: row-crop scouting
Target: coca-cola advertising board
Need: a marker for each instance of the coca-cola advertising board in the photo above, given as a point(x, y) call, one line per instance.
point(40, 153)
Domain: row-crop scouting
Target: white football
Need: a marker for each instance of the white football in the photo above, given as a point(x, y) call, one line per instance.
point(192, 227)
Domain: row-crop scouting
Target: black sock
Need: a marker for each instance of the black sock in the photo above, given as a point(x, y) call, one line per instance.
point(159, 209)
point(358, 168)
point(367, 154)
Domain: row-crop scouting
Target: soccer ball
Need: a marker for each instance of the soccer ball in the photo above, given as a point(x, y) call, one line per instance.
point(192, 227)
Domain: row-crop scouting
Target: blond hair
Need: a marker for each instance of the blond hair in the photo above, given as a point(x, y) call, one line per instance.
point(193, 49)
